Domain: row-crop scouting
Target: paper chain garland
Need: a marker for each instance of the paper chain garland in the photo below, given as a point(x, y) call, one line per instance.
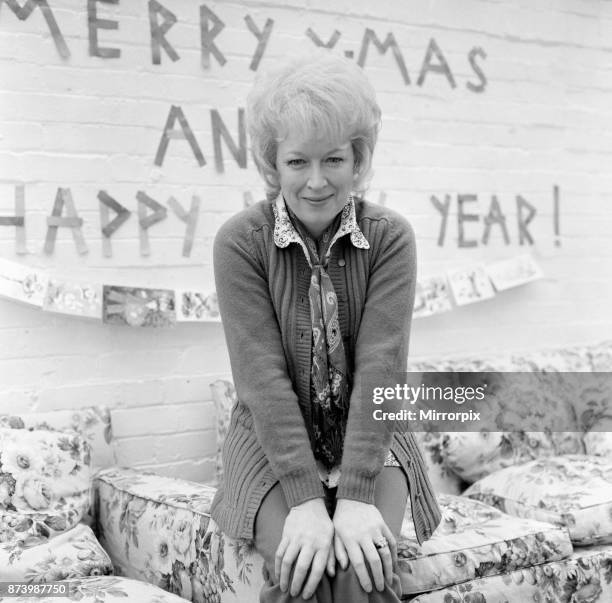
point(146, 307)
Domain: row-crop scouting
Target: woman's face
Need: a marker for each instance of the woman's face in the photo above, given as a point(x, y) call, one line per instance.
point(316, 177)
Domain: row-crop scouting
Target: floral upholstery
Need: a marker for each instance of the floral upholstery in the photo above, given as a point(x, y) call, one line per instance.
point(443, 479)
point(44, 482)
point(598, 443)
point(71, 554)
point(601, 356)
point(572, 359)
point(565, 360)
point(92, 423)
point(106, 589)
point(159, 529)
point(586, 577)
point(573, 491)
point(463, 365)
point(473, 455)
point(474, 540)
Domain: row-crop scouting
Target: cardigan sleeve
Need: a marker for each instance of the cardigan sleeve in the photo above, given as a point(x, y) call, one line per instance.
point(381, 348)
point(258, 362)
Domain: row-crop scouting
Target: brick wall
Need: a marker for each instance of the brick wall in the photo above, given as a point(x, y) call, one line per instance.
point(486, 98)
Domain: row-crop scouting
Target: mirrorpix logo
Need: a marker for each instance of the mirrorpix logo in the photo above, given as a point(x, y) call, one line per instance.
point(426, 395)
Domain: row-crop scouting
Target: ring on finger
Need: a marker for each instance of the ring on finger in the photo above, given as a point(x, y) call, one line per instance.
point(381, 543)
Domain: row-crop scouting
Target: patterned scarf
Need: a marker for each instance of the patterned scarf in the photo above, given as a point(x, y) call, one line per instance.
point(329, 379)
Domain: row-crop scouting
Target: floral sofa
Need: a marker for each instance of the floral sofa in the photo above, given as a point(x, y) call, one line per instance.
point(47, 463)
point(527, 515)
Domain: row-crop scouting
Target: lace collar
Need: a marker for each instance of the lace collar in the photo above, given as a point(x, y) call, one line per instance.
point(285, 233)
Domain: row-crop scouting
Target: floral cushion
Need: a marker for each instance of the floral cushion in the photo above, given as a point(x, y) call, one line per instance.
point(474, 540)
point(433, 447)
point(72, 554)
point(159, 529)
point(594, 403)
point(473, 455)
point(107, 589)
point(92, 423)
point(44, 482)
point(573, 491)
point(598, 443)
point(586, 577)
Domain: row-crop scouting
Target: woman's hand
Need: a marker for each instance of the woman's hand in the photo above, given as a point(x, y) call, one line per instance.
point(358, 526)
point(307, 542)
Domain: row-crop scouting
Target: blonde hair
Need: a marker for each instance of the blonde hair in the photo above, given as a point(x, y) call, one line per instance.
point(312, 95)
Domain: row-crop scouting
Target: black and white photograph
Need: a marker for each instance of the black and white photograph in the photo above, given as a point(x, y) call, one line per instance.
point(306, 301)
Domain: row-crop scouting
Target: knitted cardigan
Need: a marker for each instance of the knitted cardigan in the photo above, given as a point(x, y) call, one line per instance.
point(263, 299)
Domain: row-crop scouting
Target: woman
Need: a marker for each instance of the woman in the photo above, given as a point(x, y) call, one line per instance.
point(316, 289)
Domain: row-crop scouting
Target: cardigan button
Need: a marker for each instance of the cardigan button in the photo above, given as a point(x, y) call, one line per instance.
point(341, 262)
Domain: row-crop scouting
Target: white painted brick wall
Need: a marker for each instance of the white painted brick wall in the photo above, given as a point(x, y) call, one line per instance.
point(93, 124)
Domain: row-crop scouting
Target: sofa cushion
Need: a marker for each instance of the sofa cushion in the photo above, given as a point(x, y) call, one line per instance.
point(474, 540)
point(574, 491)
point(596, 413)
point(159, 529)
point(44, 481)
point(473, 455)
point(598, 443)
point(105, 589)
point(92, 423)
point(71, 554)
point(585, 577)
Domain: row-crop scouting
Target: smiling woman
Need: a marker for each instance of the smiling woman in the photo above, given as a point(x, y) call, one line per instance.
point(316, 176)
point(329, 278)
point(327, 100)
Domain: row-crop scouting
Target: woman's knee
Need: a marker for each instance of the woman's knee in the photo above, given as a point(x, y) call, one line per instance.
point(347, 583)
point(269, 523)
point(391, 495)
